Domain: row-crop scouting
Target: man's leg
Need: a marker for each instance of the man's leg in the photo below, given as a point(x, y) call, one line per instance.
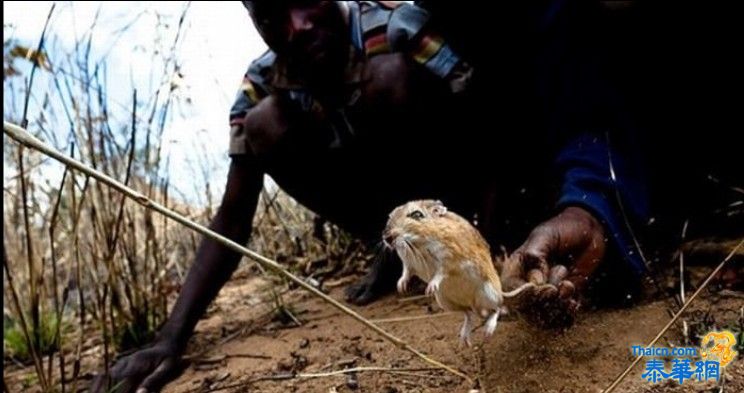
point(386, 269)
point(388, 116)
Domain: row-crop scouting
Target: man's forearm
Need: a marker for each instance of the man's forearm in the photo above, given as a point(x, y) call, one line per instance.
point(214, 263)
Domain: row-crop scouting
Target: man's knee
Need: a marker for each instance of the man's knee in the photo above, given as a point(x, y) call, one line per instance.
point(389, 79)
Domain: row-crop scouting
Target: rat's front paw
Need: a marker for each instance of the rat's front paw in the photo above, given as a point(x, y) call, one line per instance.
point(403, 284)
point(433, 286)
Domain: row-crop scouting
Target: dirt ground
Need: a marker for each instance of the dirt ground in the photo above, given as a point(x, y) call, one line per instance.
point(239, 347)
point(518, 358)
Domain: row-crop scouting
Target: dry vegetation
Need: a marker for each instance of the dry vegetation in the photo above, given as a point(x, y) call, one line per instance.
point(88, 274)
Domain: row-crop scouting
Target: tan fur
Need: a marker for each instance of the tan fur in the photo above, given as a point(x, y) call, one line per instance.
point(437, 242)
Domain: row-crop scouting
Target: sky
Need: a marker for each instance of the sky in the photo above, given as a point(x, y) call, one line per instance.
point(218, 43)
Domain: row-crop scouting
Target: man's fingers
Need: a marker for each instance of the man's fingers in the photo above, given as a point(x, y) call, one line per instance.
point(100, 383)
point(535, 252)
point(109, 383)
point(103, 383)
point(512, 274)
point(584, 267)
point(546, 292)
point(566, 289)
point(536, 277)
point(164, 373)
point(557, 274)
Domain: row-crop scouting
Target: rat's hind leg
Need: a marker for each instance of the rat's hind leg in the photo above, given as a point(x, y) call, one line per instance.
point(489, 305)
point(492, 322)
point(467, 327)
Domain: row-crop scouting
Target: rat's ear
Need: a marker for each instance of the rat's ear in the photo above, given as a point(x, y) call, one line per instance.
point(439, 209)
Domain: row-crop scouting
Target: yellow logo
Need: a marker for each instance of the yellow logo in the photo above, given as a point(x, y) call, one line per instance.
point(718, 346)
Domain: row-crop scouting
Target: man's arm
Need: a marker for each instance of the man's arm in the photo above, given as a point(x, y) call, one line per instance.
point(150, 368)
point(603, 197)
point(215, 263)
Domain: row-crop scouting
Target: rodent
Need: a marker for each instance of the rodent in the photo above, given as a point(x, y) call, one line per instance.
point(445, 250)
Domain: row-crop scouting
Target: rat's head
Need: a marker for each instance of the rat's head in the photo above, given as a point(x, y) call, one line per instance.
point(414, 222)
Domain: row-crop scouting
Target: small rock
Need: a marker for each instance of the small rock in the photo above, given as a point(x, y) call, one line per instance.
point(304, 343)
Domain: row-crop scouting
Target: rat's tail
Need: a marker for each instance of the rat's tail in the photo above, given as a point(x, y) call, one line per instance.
point(519, 290)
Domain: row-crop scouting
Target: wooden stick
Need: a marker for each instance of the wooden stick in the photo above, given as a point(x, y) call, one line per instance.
point(287, 376)
point(412, 298)
point(413, 318)
point(360, 369)
point(25, 138)
point(674, 318)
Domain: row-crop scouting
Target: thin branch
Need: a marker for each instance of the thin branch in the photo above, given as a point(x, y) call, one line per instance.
point(414, 372)
point(24, 326)
point(414, 318)
point(55, 284)
point(39, 48)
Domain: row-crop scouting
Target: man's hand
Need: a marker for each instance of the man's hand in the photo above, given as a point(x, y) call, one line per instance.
point(563, 252)
point(146, 370)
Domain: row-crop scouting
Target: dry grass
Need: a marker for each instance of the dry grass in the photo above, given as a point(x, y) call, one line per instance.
point(87, 275)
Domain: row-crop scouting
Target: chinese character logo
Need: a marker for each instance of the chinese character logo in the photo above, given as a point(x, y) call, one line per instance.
point(718, 346)
point(716, 351)
point(654, 371)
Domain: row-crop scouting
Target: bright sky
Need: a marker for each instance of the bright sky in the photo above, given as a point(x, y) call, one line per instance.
point(217, 45)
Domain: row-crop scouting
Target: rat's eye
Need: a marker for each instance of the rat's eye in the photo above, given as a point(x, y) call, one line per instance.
point(416, 215)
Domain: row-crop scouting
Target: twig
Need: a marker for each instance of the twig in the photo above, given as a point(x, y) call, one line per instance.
point(34, 340)
point(24, 326)
point(248, 356)
point(682, 280)
point(705, 283)
point(412, 298)
point(361, 369)
point(287, 376)
point(682, 265)
point(57, 309)
point(39, 48)
point(413, 318)
point(291, 316)
point(220, 358)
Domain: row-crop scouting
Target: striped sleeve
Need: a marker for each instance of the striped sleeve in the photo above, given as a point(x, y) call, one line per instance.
point(407, 31)
point(252, 89)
